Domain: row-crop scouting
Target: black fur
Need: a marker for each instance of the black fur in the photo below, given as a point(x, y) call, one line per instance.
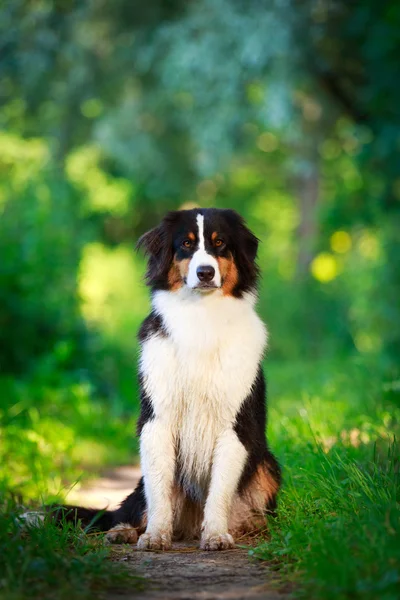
point(151, 325)
point(130, 511)
point(164, 242)
point(241, 243)
point(146, 408)
point(250, 428)
point(132, 508)
point(90, 518)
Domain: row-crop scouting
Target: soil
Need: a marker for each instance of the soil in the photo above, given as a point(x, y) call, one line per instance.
point(185, 572)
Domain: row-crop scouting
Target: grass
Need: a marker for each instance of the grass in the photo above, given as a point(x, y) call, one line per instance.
point(52, 431)
point(332, 425)
point(337, 535)
point(53, 562)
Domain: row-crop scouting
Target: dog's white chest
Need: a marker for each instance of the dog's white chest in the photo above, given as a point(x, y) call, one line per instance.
point(198, 375)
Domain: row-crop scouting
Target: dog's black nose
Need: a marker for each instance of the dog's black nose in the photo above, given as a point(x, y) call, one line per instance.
point(205, 273)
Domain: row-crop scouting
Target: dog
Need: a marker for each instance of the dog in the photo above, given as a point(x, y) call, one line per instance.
point(207, 470)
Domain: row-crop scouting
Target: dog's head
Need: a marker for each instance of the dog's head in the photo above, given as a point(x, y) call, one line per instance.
point(203, 250)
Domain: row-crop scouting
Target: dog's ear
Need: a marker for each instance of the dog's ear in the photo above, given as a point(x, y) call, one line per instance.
point(247, 242)
point(150, 241)
point(157, 245)
point(245, 249)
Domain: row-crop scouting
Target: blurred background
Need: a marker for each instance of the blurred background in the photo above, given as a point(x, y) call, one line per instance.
point(112, 113)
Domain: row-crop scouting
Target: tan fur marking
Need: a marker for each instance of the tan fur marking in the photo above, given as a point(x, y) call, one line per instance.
point(265, 482)
point(122, 534)
point(178, 271)
point(184, 267)
point(248, 511)
point(214, 236)
point(191, 236)
point(229, 274)
point(174, 278)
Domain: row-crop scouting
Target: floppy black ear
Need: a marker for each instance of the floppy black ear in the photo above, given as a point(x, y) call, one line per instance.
point(157, 245)
point(245, 252)
point(249, 242)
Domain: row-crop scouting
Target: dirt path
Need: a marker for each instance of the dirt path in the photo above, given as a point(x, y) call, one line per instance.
point(185, 573)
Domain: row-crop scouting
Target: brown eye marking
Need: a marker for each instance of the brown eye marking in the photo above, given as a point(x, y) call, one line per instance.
point(188, 241)
point(217, 241)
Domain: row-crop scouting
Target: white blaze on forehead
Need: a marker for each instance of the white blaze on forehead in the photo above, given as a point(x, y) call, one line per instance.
point(200, 225)
point(202, 258)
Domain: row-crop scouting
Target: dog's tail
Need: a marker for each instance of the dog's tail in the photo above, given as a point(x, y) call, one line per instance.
point(132, 511)
point(90, 519)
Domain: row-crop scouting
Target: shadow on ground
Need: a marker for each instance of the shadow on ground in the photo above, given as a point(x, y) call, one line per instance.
point(185, 573)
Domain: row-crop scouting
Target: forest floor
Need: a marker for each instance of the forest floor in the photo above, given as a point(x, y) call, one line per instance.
point(333, 426)
point(185, 572)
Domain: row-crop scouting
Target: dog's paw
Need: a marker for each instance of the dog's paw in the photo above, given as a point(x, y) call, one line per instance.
point(122, 534)
point(154, 541)
point(218, 541)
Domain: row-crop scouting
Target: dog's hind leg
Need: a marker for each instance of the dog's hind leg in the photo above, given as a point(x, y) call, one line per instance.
point(257, 499)
point(130, 518)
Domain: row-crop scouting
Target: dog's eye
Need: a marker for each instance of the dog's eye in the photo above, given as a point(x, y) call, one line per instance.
point(186, 244)
point(218, 243)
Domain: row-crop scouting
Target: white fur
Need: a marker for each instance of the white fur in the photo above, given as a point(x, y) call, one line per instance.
point(229, 459)
point(158, 462)
point(197, 378)
point(200, 225)
point(202, 258)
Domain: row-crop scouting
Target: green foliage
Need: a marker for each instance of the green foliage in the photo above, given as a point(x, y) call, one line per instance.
point(338, 528)
point(54, 562)
point(289, 113)
point(150, 109)
point(40, 243)
point(52, 429)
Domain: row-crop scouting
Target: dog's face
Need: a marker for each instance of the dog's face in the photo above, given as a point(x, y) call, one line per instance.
point(203, 250)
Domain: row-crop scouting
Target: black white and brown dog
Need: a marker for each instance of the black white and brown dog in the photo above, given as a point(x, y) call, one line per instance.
point(207, 469)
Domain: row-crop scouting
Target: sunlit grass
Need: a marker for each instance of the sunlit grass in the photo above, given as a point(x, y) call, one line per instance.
point(53, 434)
point(338, 530)
point(332, 425)
point(53, 562)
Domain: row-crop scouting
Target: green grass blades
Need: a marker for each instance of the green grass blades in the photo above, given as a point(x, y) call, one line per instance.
point(57, 562)
point(55, 430)
point(337, 534)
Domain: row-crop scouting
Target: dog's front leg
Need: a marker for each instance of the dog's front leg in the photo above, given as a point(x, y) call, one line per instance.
point(158, 465)
point(228, 463)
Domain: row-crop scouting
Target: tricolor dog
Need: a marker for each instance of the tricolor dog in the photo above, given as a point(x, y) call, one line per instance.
point(207, 470)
